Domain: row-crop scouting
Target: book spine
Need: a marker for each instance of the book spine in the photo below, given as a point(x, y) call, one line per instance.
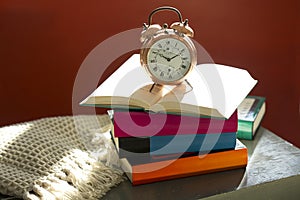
point(244, 135)
point(162, 145)
point(221, 161)
point(129, 146)
point(141, 124)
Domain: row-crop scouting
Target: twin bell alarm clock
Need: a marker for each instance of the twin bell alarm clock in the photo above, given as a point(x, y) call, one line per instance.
point(167, 53)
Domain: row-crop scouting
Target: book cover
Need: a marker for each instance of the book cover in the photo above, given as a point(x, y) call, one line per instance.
point(213, 90)
point(141, 171)
point(162, 145)
point(250, 114)
point(145, 124)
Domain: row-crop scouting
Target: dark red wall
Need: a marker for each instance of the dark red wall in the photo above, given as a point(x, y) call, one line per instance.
point(42, 46)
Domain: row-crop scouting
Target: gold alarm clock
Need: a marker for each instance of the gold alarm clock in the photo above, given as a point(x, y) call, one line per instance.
point(168, 54)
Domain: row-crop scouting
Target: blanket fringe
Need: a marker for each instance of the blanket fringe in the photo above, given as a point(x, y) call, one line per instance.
point(80, 177)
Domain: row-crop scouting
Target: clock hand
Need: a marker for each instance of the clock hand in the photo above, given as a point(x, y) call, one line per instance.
point(161, 55)
point(173, 57)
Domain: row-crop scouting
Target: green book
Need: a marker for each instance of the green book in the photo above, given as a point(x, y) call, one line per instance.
point(250, 114)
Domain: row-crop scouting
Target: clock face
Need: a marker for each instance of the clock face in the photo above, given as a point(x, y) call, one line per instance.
point(169, 59)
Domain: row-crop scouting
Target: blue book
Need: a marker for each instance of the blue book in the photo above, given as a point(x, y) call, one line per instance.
point(202, 143)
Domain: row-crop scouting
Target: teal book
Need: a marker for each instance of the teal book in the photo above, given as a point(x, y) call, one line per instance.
point(175, 144)
point(161, 145)
point(250, 114)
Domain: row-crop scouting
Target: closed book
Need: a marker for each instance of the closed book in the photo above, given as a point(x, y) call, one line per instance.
point(141, 171)
point(145, 124)
point(250, 114)
point(162, 145)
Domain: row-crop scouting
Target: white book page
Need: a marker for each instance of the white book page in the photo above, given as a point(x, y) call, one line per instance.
point(125, 80)
point(219, 86)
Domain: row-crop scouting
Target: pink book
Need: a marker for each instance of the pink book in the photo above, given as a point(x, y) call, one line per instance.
point(145, 124)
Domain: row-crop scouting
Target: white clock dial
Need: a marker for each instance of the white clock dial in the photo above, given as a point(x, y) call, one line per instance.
point(169, 59)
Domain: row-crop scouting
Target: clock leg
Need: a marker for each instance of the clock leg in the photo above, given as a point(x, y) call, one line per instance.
point(152, 87)
point(191, 87)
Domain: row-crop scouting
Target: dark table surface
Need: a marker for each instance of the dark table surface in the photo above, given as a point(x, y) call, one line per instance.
point(270, 158)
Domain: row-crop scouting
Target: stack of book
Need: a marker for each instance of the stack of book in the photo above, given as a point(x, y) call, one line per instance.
point(162, 134)
point(160, 146)
point(175, 131)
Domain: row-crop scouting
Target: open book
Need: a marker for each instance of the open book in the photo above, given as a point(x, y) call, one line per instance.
point(210, 90)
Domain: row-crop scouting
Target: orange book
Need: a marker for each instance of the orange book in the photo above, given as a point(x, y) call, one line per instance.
point(152, 171)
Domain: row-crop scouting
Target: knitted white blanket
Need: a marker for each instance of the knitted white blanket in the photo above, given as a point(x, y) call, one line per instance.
point(49, 159)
